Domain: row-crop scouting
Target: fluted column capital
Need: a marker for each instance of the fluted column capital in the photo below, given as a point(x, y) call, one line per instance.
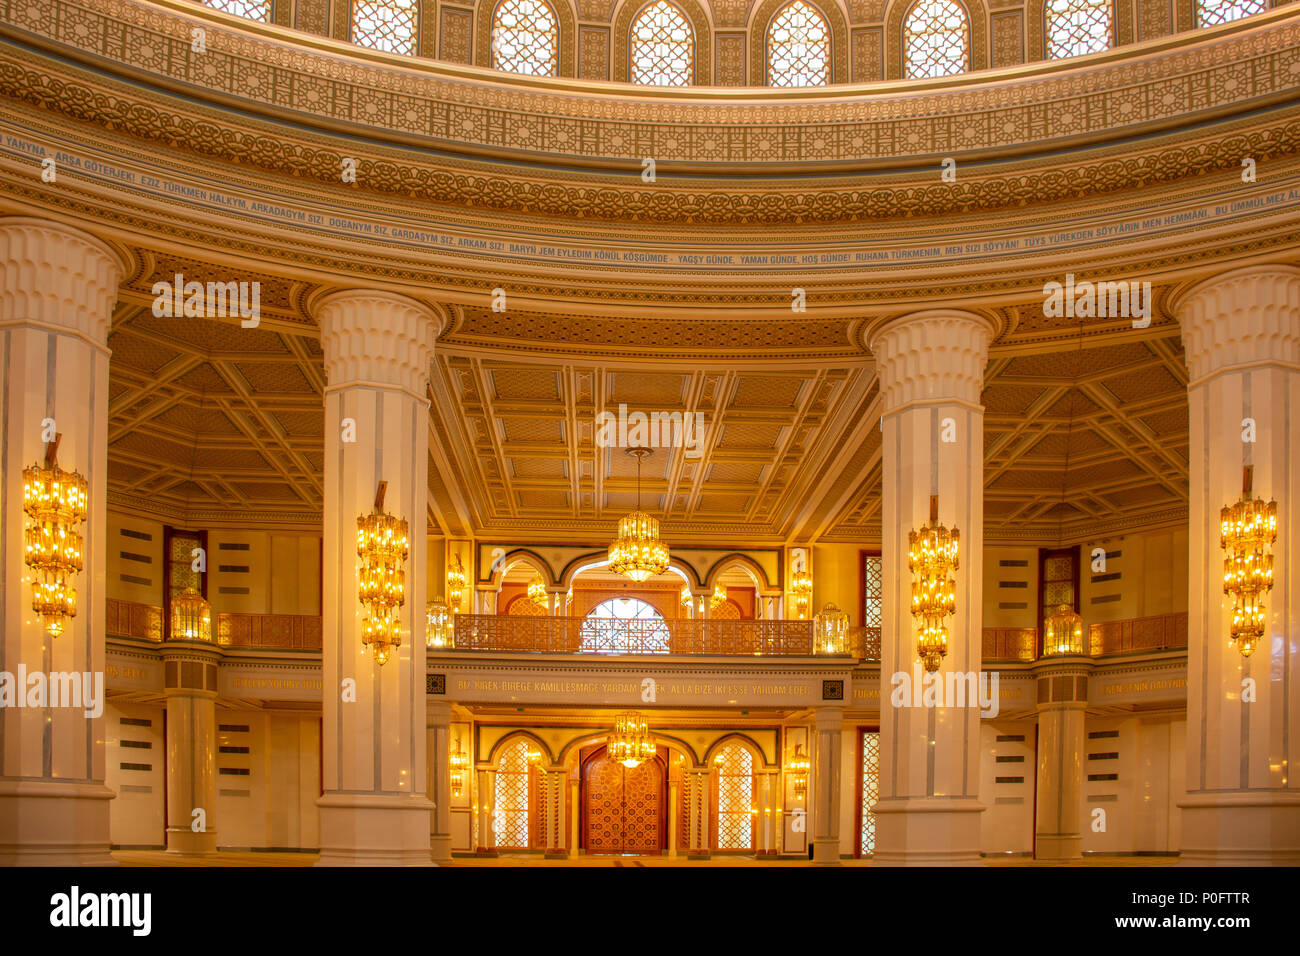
point(372, 337)
point(936, 355)
point(1248, 316)
point(57, 276)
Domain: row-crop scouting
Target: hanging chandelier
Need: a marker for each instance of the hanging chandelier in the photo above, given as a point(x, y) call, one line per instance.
point(537, 593)
point(686, 596)
point(719, 596)
point(798, 767)
point(1246, 530)
point(54, 501)
point(455, 583)
point(382, 547)
point(1063, 631)
point(191, 617)
point(637, 552)
point(801, 585)
point(630, 743)
point(931, 556)
point(438, 625)
point(830, 629)
point(458, 762)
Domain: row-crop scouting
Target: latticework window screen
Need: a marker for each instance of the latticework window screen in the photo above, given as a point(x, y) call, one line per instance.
point(873, 596)
point(1210, 13)
point(1076, 27)
point(936, 39)
point(870, 790)
point(388, 25)
point(663, 47)
point(735, 775)
point(525, 38)
point(798, 48)
point(511, 823)
point(248, 9)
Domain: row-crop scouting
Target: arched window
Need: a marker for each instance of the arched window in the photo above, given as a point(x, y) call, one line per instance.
point(513, 786)
point(625, 626)
point(663, 46)
point(1076, 27)
point(525, 38)
point(734, 767)
point(936, 39)
point(248, 9)
point(1210, 13)
point(387, 25)
point(798, 47)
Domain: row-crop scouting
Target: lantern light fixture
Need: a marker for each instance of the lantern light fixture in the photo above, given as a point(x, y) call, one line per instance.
point(191, 617)
point(382, 546)
point(55, 503)
point(718, 597)
point(830, 630)
point(1063, 632)
point(801, 586)
point(537, 593)
point(932, 554)
point(1247, 529)
point(438, 625)
point(459, 762)
point(798, 767)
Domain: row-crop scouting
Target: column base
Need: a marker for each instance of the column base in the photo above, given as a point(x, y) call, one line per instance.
point(826, 851)
point(1058, 846)
point(182, 841)
point(440, 849)
point(1241, 829)
point(374, 830)
point(928, 831)
point(697, 854)
point(54, 824)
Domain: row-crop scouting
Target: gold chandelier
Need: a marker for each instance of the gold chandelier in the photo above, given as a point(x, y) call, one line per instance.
point(687, 600)
point(455, 583)
point(191, 617)
point(1246, 530)
point(537, 593)
point(637, 552)
point(798, 768)
point(1063, 631)
point(382, 547)
point(458, 762)
point(54, 501)
point(438, 630)
point(931, 555)
point(718, 597)
point(630, 743)
point(801, 585)
point(830, 629)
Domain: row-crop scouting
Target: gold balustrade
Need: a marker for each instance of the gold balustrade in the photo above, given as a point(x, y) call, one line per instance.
point(1135, 635)
point(1010, 644)
point(299, 632)
point(129, 619)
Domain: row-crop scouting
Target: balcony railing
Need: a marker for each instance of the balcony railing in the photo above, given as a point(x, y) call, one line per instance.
point(129, 619)
point(282, 631)
point(577, 635)
point(1159, 633)
point(1010, 643)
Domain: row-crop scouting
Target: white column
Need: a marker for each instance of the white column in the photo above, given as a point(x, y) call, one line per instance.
point(439, 774)
point(1062, 712)
point(190, 683)
point(1241, 334)
point(58, 286)
point(826, 819)
point(374, 810)
point(931, 368)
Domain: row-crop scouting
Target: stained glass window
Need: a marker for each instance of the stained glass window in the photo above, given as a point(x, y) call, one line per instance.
point(870, 790)
point(735, 769)
point(525, 38)
point(936, 39)
point(1076, 27)
point(511, 820)
point(798, 48)
point(387, 25)
point(1210, 13)
point(663, 47)
point(248, 9)
point(625, 626)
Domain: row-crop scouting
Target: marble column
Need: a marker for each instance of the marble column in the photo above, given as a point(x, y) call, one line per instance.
point(826, 786)
point(674, 798)
point(1062, 709)
point(931, 369)
point(190, 683)
point(1241, 335)
point(487, 815)
point(438, 747)
point(58, 287)
point(374, 809)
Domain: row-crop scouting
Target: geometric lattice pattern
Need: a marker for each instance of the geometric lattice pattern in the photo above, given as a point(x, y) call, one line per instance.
point(870, 790)
point(524, 38)
point(248, 9)
point(936, 39)
point(735, 798)
point(1076, 27)
point(511, 824)
point(387, 25)
point(873, 594)
point(1210, 13)
point(798, 48)
point(624, 626)
point(663, 47)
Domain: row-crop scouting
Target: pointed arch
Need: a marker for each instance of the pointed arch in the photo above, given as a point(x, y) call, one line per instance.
point(494, 754)
point(977, 17)
point(625, 15)
point(761, 19)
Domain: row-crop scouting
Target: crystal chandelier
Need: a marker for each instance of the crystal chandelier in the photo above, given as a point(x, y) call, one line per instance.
point(719, 596)
point(1063, 632)
point(191, 617)
point(830, 628)
point(382, 548)
point(437, 625)
point(455, 583)
point(1246, 530)
point(798, 768)
point(686, 596)
point(537, 593)
point(54, 501)
point(458, 762)
point(931, 555)
point(801, 585)
point(637, 552)
point(630, 743)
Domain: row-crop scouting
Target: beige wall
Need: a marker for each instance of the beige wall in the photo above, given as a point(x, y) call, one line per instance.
point(136, 813)
point(1151, 579)
point(837, 579)
point(273, 805)
point(1010, 579)
point(1007, 823)
point(1141, 804)
point(135, 553)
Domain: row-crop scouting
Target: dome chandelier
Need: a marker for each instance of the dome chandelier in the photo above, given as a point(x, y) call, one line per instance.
point(382, 546)
point(630, 743)
point(637, 552)
point(191, 617)
point(931, 555)
point(438, 625)
point(55, 502)
point(1246, 530)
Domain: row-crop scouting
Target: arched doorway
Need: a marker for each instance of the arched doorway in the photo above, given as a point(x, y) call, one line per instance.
point(624, 810)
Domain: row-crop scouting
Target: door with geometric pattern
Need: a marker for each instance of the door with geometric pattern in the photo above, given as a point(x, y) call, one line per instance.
point(622, 807)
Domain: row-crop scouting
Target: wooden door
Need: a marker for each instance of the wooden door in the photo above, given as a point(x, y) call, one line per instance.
point(623, 809)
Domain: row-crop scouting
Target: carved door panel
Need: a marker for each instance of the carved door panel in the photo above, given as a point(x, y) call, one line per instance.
point(642, 787)
point(604, 806)
point(623, 807)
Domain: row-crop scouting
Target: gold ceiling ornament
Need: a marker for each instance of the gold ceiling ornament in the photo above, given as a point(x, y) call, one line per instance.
point(191, 617)
point(719, 596)
point(55, 502)
point(801, 586)
point(456, 581)
point(459, 762)
point(438, 625)
point(1246, 531)
point(637, 552)
point(931, 556)
point(1063, 631)
point(830, 630)
point(537, 593)
point(382, 546)
point(798, 767)
point(630, 743)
